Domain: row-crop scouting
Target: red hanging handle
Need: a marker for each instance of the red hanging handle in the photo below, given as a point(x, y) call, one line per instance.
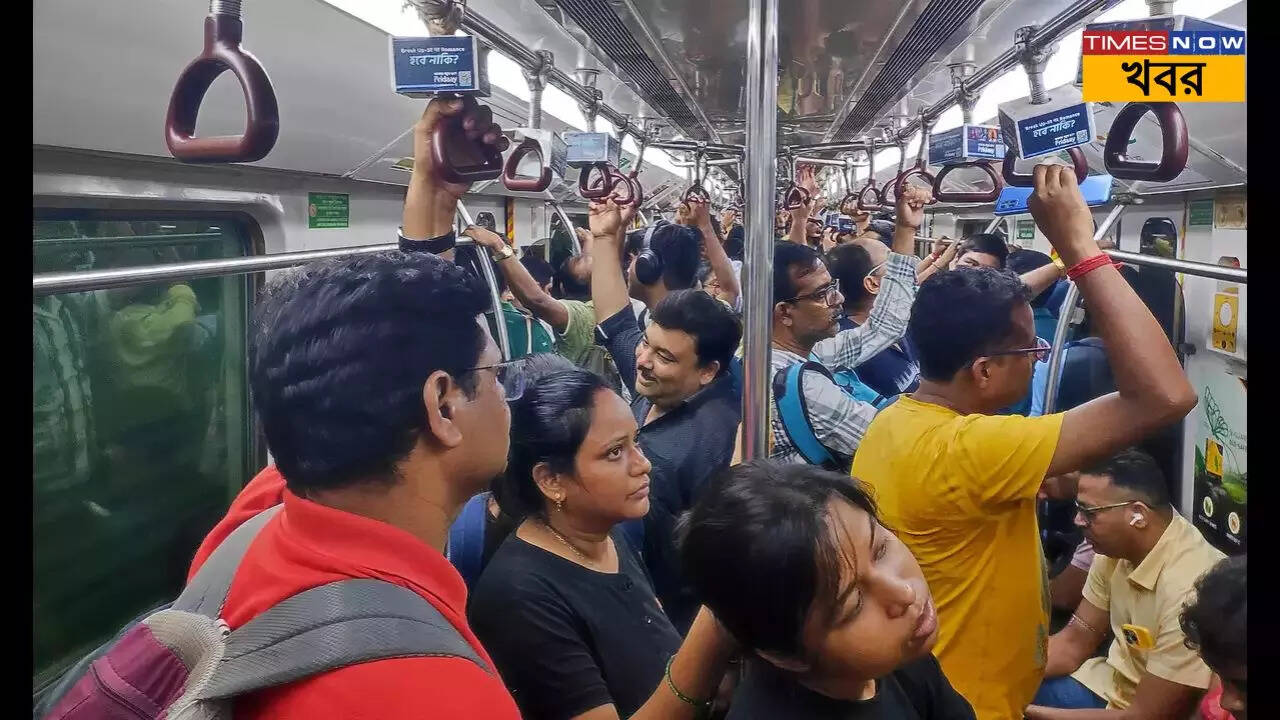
point(1016, 179)
point(601, 186)
point(997, 184)
point(1173, 136)
point(696, 192)
point(222, 37)
point(875, 203)
point(512, 181)
point(796, 197)
point(917, 171)
point(637, 190)
point(620, 180)
point(461, 160)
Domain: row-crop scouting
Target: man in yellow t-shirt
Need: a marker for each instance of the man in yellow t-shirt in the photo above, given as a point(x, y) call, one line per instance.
point(958, 483)
point(1144, 574)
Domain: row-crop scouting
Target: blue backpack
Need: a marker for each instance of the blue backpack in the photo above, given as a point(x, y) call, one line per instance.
point(466, 539)
point(795, 416)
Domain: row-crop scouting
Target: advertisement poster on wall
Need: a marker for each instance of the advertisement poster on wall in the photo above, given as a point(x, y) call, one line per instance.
point(1221, 468)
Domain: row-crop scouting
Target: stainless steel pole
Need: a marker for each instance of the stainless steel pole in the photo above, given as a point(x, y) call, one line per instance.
point(487, 272)
point(762, 129)
point(1065, 311)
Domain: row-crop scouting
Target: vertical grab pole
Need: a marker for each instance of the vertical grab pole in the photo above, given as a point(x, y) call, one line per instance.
point(486, 270)
point(568, 227)
point(762, 130)
point(1058, 353)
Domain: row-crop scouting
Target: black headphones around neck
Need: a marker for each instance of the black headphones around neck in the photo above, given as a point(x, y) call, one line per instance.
point(648, 264)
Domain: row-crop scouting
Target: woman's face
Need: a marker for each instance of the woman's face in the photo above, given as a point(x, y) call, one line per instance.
point(611, 480)
point(883, 616)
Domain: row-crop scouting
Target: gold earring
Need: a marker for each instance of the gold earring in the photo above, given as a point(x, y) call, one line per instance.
point(559, 505)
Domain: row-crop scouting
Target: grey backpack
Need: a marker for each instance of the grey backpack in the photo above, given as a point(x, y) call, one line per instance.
point(183, 662)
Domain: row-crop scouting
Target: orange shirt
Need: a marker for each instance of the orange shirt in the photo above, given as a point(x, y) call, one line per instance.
point(307, 545)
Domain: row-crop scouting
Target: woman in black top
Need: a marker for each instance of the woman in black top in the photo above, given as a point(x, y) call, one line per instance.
point(794, 562)
point(564, 607)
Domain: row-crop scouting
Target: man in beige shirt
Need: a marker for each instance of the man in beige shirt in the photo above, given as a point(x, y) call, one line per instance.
point(1148, 559)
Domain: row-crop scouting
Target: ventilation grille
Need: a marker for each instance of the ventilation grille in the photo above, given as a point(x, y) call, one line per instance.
point(923, 40)
point(604, 27)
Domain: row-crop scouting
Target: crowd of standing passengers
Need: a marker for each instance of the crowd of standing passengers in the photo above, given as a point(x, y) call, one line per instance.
point(884, 562)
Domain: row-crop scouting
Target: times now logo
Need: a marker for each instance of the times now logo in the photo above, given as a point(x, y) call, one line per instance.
point(1162, 42)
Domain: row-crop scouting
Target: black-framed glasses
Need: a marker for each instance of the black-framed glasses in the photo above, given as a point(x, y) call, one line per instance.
point(1041, 350)
point(828, 294)
point(509, 377)
point(1089, 511)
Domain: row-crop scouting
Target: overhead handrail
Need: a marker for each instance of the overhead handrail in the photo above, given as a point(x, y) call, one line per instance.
point(1174, 142)
point(1017, 179)
point(537, 81)
point(921, 167)
point(223, 35)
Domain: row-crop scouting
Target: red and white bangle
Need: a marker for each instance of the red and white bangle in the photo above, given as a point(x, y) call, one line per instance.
point(1084, 267)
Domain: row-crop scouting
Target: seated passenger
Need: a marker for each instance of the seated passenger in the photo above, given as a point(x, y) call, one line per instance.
point(1149, 558)
point(959, 484)
point(806, 315)
point(860, 269)
point(1216, 626)
point(982, 250)
point(565, 605)
point(832, 611)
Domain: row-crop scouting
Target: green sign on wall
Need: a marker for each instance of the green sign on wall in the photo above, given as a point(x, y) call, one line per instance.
point(1026, 229)
point(328, 210)
point(1201, 212)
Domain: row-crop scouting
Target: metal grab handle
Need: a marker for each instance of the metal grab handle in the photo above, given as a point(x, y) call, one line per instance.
point(1016, 179)
point(796, 197)
point(917, 171)
point(601, 186)
point(997, 184)
point(1173, 134)
point(223, 34)
point(512, 181)
point(450, 137)
point(849, 203)
point(863, 205)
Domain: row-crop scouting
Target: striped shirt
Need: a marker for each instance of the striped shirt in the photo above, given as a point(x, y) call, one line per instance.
point(839, 421)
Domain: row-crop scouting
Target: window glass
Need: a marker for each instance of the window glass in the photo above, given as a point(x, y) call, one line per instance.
point(140, 421)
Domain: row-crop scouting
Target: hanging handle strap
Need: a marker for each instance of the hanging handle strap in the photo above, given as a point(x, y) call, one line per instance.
point(997, 184)
point(1017, 179)
point(1175, 143)
point(223, 33)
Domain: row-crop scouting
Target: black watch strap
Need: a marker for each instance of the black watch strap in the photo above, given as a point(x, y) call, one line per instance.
point(435, 245)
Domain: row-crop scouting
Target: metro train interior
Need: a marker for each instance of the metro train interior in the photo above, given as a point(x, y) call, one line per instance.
point(138, 451)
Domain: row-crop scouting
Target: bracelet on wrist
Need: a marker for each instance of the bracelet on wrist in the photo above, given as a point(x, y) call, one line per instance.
point(1088, 265)
point(699, 704)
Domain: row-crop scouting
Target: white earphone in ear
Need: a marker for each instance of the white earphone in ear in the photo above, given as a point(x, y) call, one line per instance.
point(1134, 520)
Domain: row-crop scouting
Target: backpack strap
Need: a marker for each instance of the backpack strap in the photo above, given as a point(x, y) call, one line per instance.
point(342, 623)
point(789, 397)
point(207, 591)
point(466, 539)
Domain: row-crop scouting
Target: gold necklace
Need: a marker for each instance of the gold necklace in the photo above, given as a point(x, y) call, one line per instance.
point(571, 546)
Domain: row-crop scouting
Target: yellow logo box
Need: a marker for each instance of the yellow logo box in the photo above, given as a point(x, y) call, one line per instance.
point(1164, 78)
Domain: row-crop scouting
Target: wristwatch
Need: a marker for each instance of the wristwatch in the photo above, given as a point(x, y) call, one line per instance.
point(503, 252)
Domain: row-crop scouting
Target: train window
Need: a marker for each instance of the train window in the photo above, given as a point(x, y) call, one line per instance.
point(140, 419)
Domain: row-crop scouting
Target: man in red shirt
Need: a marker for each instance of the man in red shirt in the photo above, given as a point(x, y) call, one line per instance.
point(382, 398)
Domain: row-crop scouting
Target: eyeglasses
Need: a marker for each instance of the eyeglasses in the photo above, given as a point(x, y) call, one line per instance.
point(828, 294)
point(508, 376)
point(1088, 512)
point(1041, 350)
